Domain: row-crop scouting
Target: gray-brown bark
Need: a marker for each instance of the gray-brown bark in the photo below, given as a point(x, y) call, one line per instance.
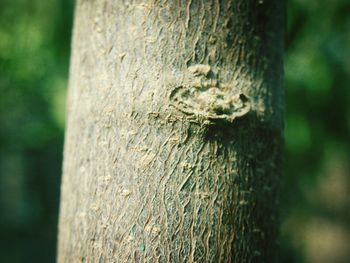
point(173, 142)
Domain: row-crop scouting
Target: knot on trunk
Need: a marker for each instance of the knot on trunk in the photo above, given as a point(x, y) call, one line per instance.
point(204, 97)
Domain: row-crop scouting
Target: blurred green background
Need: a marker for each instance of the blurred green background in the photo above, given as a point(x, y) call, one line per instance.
point(34, 61)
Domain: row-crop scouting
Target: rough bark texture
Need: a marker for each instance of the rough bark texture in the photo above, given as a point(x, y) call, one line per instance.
point(173, 142)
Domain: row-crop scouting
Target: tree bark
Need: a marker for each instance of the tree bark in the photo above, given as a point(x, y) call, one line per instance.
point(174, 132)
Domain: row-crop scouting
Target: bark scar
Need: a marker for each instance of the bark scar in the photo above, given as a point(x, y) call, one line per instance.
point(209, 99)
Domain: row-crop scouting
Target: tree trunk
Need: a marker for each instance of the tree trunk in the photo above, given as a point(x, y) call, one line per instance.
point(174, 132)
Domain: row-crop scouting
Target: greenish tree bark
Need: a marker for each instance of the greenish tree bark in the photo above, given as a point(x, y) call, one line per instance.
point(173, 140)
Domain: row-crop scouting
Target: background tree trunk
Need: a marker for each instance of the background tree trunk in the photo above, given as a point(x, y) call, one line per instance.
point(173, 142)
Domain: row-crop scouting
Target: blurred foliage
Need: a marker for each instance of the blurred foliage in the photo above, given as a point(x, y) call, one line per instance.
point(34, 57)
point(315, 196)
